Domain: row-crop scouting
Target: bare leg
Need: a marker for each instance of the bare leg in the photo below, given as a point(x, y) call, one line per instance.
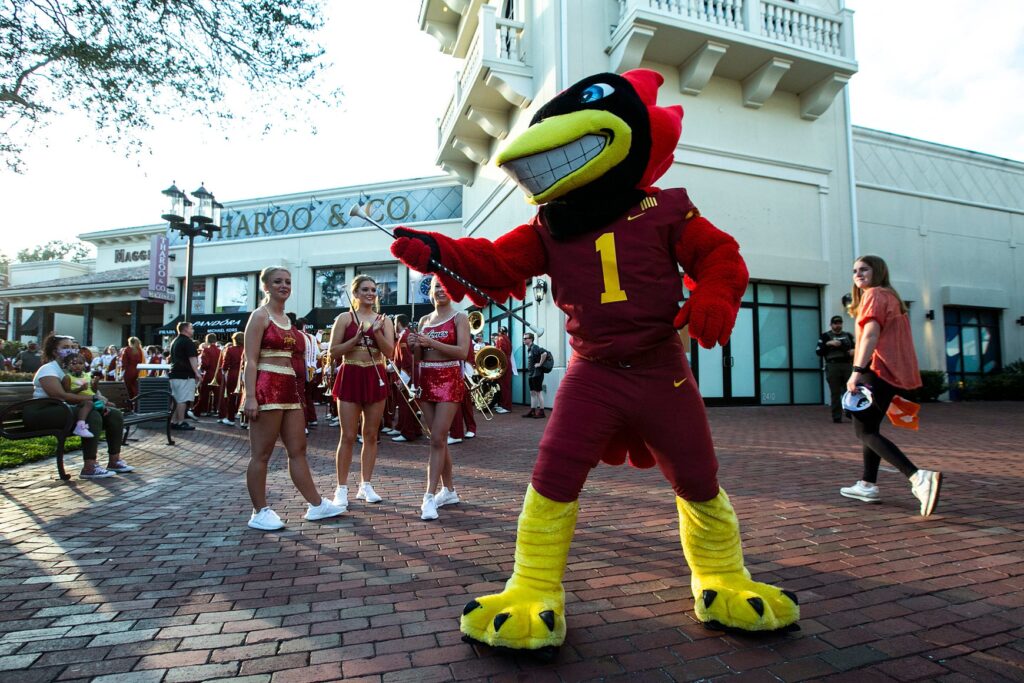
point(263, 434)
point(446, 469)
point(293, 434)
point(439, 416)
point(372, 415)
point(348, 413)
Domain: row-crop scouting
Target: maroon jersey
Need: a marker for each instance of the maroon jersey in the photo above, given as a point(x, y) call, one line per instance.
point(208, 361)
point(620, 287)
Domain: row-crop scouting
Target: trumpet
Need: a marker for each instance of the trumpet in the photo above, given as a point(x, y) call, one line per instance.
point(490, 364)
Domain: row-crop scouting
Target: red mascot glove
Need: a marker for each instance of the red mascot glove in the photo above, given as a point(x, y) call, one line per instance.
point(710, 319)
point(416, 249)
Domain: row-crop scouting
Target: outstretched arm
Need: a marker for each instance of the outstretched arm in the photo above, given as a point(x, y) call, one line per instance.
point(717, 277)
point(500, 268)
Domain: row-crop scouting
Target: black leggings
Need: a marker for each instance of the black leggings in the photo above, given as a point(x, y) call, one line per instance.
point(876, 447)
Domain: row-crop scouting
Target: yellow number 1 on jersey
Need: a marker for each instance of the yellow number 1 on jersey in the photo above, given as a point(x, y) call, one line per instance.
point(605, 245)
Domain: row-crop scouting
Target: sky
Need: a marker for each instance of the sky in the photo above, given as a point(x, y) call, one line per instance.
point(939, 70)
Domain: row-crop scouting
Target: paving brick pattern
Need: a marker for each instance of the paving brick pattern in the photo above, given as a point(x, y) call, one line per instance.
point(153, 576)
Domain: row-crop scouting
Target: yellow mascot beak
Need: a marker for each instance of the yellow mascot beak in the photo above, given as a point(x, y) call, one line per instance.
point(565, 152)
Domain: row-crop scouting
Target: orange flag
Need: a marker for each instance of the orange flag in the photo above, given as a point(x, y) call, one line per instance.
point(903, 413)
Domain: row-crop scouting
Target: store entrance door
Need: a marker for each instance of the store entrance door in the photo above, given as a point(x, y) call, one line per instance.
point(726, 375)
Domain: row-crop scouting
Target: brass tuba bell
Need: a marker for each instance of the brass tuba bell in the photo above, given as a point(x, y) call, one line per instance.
point(491, 363)
point(476, 322)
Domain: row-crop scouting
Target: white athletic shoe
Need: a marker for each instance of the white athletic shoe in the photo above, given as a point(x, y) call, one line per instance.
point(265, 520)
point(428, 509)
point(470, 435)
point(926, 484)
point(500, 411)
point(399, 438)
point(452, 441)
point(862, 491)
point(367, 493)
point(341, 497)
point(446, 497)
point(322, 511)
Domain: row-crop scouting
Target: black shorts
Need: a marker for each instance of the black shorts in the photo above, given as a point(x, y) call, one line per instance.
point(537, 382)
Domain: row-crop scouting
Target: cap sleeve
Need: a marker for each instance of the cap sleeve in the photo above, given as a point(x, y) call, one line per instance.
point(876, 305)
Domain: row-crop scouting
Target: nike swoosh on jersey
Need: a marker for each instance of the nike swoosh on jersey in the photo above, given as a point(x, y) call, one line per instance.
point(632, 218)
point(679, 383)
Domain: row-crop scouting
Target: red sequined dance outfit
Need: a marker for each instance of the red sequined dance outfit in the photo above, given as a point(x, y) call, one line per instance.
point(361, 381)
point(276, 385)
point(441, 380)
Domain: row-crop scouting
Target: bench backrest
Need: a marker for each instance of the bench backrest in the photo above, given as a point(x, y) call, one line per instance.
point(116, 393)
point(13, 392)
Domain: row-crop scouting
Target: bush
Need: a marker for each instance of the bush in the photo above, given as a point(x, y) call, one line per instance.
point(11, 348)
point(13, 376)
point(933, 383)
point(1005, 385)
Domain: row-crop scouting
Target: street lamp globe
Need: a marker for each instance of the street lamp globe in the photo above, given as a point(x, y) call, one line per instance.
point(175, 212)
point(204, 210)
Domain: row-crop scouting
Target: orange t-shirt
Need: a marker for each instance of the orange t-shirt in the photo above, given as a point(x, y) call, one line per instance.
point(894, 359)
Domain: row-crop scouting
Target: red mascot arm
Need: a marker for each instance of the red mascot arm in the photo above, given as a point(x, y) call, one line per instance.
point(499, 268)
point(717, 276)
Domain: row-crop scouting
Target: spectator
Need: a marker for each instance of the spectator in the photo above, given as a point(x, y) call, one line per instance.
point(536, 357)
point(835, 347)
point(47, 383)
point(184, 357)
point(28, 360)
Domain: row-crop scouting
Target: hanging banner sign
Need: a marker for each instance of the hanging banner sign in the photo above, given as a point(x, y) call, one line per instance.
point(158, 270)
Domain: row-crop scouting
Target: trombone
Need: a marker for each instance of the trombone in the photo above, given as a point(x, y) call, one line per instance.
point(409, 395)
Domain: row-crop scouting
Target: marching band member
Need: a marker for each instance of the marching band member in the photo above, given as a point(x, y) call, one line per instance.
point(209, 359)
point(407, 425)
point(502, 342)
point(309, 373)
point(227, 376)
point(440, 344)
point(360, 338)
point(131, 356)
point(273, 403)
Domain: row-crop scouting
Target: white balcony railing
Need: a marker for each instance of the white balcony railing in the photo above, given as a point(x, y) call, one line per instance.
point(776, 20)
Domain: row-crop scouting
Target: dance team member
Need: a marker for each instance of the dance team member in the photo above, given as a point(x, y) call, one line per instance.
point(273, 404)
point(359, 340)
point(612, 245)
point(885, 361)
point(440, 344)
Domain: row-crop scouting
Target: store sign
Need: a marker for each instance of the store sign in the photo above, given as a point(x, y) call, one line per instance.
point(130, 256)
point(158, 270)
point(313, 215)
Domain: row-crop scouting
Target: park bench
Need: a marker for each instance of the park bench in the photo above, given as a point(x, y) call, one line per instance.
point(14, 396)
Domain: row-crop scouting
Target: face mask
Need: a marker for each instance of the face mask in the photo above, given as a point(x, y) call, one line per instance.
point(64, 353)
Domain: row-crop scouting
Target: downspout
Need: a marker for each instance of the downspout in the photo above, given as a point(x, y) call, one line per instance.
point(849, 172)
point(562, 78)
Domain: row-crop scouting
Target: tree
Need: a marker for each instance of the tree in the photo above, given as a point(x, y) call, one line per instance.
point(55, 249)
point(124, 62)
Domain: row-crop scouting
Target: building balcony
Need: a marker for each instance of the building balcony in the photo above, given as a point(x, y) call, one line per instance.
point(766, 45)
point(495, 81)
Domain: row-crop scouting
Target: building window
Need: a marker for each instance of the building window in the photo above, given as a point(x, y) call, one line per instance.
point(972, 343)
point(330, 288)
point(198, 296)
point(788, 325)
point(386, 277)
point(231, 294)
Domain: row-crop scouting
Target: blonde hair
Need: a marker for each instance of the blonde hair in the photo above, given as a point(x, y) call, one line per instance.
point(135, 344)
point(237, 338)
point(354, 287)
point(265, 275)
point(879, 278)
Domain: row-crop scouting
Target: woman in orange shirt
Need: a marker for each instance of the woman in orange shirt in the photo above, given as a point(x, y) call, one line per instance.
point(885, 361)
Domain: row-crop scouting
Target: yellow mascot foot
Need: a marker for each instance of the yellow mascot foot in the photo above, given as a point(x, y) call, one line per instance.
point(530, 613)
point(724, 594)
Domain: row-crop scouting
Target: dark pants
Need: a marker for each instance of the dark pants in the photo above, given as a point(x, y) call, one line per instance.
point(837, 374)
point(866, 424)
point(50, 416)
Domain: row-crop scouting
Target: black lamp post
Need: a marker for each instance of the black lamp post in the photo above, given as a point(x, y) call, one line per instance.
point(204, 219)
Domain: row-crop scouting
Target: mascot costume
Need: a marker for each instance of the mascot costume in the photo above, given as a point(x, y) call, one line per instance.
point(612, 245)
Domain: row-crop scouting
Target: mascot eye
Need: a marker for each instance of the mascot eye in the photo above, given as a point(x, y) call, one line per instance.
point(596, 92)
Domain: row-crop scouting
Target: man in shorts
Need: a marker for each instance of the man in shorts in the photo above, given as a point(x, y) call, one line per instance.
point(184, 374)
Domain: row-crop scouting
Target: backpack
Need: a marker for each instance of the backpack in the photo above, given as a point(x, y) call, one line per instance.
point(548, 364)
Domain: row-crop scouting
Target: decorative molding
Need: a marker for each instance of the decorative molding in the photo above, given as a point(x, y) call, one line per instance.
point(476, 150)
point(952, 295)
point(762, 167)
point(464, 171)
point(628, 51)
point(444, 34)
point(759, 86)
point(491, 121)
point(517, 89)
point(457, 6)
point(816, 100)
point(698, 68)
point(895, 189)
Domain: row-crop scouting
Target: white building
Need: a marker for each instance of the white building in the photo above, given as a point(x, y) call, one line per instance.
point(768, 154)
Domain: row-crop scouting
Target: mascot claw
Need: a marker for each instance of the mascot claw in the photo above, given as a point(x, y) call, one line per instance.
point(742, 604)
point(517, 618)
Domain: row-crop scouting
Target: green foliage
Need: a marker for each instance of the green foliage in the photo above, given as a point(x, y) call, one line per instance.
point(14, 453)
point(54, 250)
point(933, 383)
point(124, 62)
point(6, 376)
point(1005, 385)
point(11, 348)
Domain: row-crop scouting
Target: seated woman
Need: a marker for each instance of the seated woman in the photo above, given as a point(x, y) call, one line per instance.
point(48, 383)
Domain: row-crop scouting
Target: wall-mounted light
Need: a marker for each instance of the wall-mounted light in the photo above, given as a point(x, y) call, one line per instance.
point(847, 299)
point(930, 315)
point(540, 289)
point(1020, 320)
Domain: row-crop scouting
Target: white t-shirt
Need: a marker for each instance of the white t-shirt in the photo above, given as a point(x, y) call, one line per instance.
point(51, 369)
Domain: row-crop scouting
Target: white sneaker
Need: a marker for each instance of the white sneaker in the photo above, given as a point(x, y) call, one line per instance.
point(192, 415)
point(334, 422)
point(862, 491)
point(428, 509)
point(926, 484)
point(446, 497)
point(470, 435)
point(392, 432)
point(341, 497)
point(98, 472)
point(399, 438)
point(265, 520)
point(367, 493)
point(500, 411)
point(452, 441)
point(227, 422)
point(322, 511)
point(81, 429)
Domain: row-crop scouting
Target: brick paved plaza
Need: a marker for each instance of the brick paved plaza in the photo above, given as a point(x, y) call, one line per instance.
point(153, 576)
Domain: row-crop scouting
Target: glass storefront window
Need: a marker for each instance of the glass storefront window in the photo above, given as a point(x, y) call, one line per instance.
point(231, 294)
point(387, 281)
point(972, 345)
point(330, 288)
